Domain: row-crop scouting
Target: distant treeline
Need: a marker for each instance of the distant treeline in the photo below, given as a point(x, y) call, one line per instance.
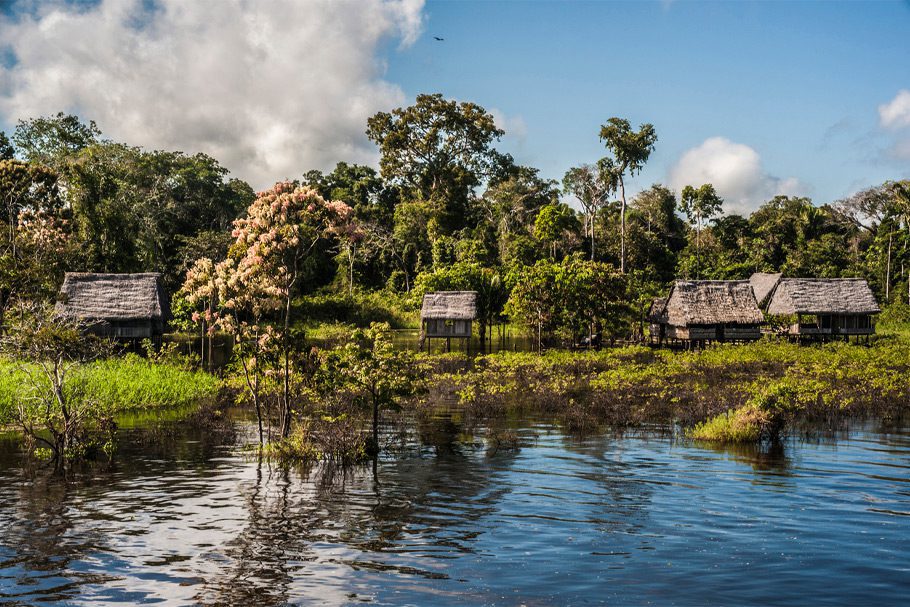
point(445, 210)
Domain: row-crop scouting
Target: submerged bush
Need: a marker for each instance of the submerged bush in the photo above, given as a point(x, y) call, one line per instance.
point(729, 392)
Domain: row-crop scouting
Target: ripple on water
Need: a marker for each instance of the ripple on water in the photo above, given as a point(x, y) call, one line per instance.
point(602, 520)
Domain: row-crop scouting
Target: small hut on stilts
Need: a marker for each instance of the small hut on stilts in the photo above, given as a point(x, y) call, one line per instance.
point(824, 308)
point(447, 314)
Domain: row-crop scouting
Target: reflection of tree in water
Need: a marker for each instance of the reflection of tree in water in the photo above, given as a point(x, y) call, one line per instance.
point(37, 527)
point(328, 522)
point(768, 459)
point(624, 482)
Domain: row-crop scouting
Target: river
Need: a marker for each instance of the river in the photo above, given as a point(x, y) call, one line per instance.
point(187, 516)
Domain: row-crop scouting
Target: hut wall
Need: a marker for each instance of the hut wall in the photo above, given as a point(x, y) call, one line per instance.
point(138, 329)
point(709, 332)
point(834, 324)
point(742, 332)
point(440, 327)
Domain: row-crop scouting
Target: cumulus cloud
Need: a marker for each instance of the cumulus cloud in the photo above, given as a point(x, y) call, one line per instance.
point(736, 172)
point(896, 113)
point(271, 89)
point(894, 116)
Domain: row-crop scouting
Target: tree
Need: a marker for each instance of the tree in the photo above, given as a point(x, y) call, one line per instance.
point(33, 245)
point(53, 140)
point(658, 235)
point(437, 151)
point(630, 151)
point(699, 205)
point(553, 223)
point(47, 350)
point(572, 297)
point(592, 186)
point(6, 148)
point(280, 229)
point(373, 371)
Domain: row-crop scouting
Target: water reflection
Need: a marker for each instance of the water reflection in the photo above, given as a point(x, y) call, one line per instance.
point(186, 516)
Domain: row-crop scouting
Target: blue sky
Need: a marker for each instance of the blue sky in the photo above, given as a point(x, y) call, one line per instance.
point(759, 97)
point(800, 83)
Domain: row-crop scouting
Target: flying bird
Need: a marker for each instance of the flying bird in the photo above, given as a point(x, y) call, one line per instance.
point(438, 39)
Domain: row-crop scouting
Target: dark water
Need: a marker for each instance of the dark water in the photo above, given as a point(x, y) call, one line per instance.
point(189, 518)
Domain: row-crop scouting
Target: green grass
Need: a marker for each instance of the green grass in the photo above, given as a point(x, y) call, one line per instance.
point(127, 385)
point(743, 425)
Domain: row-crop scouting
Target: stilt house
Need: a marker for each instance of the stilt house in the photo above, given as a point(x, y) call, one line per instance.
point(711, 310)
point(448, 314)
point(824, 306)
point(121, 306)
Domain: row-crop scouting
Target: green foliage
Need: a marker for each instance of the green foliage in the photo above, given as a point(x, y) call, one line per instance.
point(437, 151)
point(6, 148)
point(726, 393)
point(371, 372)
point(741, 425)
point(553, 224)
point(358, 309)
point(569, 299)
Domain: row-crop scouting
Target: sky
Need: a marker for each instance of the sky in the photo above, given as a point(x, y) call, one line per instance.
point(758, 98)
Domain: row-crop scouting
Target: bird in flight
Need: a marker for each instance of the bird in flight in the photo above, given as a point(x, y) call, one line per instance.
point(438, 39)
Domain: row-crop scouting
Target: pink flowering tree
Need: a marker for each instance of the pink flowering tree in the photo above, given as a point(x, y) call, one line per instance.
point(201, 292)
point(250, 293)
point(350, 235)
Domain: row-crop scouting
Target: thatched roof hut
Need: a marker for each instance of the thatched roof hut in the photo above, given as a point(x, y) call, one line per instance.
point(825, 306)
point(762, 285)
point(712, 309)
point(823, 296)
point(115, 305)
point(448, 313)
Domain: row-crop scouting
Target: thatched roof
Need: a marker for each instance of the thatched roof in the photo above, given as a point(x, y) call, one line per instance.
point(822, 296)
point(712, 302)
point(762, 284)
point(657, 311)
point(112, 297)
point(450, 305)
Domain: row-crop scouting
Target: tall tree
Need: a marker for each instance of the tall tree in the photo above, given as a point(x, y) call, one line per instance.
point(437, 151)
point(699, 205)
point(630, 151)
point(52, 140)
point(592, 185)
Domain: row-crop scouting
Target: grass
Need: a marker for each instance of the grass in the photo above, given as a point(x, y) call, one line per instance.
point(128, 385)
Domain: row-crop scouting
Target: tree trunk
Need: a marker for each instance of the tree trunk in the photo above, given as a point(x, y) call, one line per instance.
point(622, 228)
point(888, 270)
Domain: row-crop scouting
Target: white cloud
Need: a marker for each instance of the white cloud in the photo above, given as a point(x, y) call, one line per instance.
point(896, 113)
point(736, 172)
point(270, 89)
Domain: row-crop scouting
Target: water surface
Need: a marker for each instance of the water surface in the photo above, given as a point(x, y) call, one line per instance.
point(189, 517)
